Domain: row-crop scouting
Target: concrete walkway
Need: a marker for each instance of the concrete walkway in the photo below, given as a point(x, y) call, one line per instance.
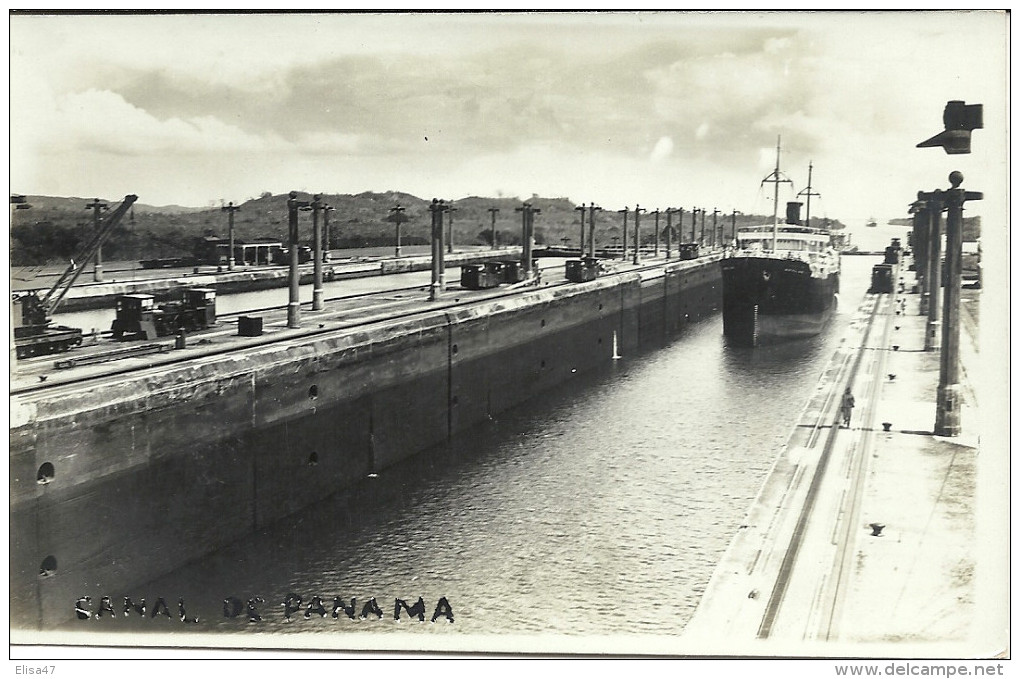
point(910, 590)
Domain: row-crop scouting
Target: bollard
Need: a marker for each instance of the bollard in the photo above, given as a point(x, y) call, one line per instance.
point(876, 529)
point(181, 341)
point(887, 426)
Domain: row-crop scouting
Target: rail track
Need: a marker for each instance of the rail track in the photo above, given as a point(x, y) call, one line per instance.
point(326, 321)
point(847, 374)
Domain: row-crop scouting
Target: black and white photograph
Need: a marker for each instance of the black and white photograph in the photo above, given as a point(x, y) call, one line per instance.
point(510, 334)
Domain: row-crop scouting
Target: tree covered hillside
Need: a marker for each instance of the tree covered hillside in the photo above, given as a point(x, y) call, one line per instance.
point(53, 229)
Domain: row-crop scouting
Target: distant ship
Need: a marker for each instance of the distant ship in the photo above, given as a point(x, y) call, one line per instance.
point(872, 223)
point(780, 281)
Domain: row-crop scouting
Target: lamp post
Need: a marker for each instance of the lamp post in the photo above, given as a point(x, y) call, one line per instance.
point(397, 217)
point(637, 233)
point(317, 206)
point(921, 223)
point(592, 209)
point(933, 331)
point(694, 225)
point(294, 302)
point(326, 209)
point(701, 242)
point(493, 211)
point(580, 209)
point(716, 236)
point(669, 228)
point(449, 243)
point(733, 224)
point(230, 209)
point(97, 206)
point(528, 231)
point(655, 252)
point(947, 413)
point(624, 212)
point(437, 208)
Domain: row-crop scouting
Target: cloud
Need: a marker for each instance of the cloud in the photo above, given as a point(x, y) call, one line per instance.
point(692, 97)
point(663, 149)
point(104, 121)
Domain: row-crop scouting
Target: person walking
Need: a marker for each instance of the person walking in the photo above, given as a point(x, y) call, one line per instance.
point(847, 407)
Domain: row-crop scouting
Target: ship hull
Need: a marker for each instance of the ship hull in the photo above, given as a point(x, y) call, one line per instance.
point(767, 300)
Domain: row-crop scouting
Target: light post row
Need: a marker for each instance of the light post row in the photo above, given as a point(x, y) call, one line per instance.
point(442, 237)
point(959, 120)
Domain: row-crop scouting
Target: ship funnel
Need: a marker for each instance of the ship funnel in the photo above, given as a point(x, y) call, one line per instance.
point(793, 212)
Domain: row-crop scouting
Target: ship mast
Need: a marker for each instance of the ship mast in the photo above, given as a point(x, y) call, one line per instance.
point(776, 178)
point(807, 192)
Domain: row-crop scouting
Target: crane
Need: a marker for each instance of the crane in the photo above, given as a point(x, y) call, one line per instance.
point(34, 333)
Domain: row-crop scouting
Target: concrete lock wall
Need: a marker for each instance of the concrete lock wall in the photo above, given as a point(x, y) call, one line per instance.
point(158, 469)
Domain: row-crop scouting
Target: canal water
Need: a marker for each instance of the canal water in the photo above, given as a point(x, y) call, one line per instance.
point(600, 507)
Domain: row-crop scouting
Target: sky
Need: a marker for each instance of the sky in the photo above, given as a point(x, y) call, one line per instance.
point(659, 109)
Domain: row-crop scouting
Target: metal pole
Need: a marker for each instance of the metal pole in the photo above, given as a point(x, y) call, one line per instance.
point(921, 225)
point(947, 413)
point(493, 211)
point(326, 209)
point(669, 231)
point(532, 211)
point(398, 217)
point(592, 209)
point(702, 241)
point(656, 251)
point(449, 243)
point(438, 285)
point(933, 331)
point(294, 303)
point(580, 208)
point(694, 225)
point(625, 210)
point(716, 237)
point(733, 226)
point(527, 231)
point(96, 206)
point(316, 254)
point(230, 209)
point(637, 233)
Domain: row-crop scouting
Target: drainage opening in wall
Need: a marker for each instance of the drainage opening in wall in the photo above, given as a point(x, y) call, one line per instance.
point(313, 392)
point(46, 473)
point(543, 362)
point(455, 400)
point(313, 459)
point(543, 322)
point(454, 349)
point(48, 566)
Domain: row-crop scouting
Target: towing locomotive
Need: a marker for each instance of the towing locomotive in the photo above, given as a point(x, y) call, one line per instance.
point(138, 315)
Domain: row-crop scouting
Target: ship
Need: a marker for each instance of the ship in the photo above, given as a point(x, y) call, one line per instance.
point(871, 223)
point(780, 281)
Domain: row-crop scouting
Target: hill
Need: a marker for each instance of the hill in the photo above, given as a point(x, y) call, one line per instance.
point(54, 227)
